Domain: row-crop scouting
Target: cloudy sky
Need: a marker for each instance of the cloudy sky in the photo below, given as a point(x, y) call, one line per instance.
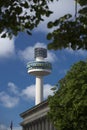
point(17, 87)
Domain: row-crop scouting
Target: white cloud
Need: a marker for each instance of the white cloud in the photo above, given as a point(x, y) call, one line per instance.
point(29, 92)
point(11, 98)
point(38, 44)
point(28, 53)
point(59, 8)
point(8, 101)
point(7, 48)
point(51, 57)
point(13, 88)
point(4, 127)
point(47, 90)
point(17, 128)
point(79, 52)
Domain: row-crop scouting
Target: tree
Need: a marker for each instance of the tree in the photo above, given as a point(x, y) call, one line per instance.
point(18, 15)
point(21, 15)
point(70, 31)
point(68, 106)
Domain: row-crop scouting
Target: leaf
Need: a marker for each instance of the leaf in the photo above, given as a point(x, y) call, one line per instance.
point(18, 10)
point(26, 5)
point(50, 25)
point(48, 13)
point(68, 106)
point(56, 22)
point(49, 36)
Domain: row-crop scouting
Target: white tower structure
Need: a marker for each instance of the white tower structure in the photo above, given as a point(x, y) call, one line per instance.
point(39, 68)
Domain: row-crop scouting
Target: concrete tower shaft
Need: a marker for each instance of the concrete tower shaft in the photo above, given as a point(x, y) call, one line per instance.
point(39, 68)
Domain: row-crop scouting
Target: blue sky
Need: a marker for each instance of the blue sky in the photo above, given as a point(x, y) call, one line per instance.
point(17, 87)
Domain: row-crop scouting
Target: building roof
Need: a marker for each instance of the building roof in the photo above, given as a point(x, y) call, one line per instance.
point(38, 111)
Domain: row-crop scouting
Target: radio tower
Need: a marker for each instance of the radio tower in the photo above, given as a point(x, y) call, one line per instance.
point(39, 68)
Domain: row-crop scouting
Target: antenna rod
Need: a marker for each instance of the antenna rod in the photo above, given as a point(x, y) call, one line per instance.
point(75, 8)
point(11, 125)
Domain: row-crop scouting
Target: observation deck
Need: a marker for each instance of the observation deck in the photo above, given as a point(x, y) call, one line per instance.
point(39, 68)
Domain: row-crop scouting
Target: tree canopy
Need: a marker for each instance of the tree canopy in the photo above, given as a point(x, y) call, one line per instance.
point(70, 31)
point(68, 106)
point(22, 15)
point(25, 15)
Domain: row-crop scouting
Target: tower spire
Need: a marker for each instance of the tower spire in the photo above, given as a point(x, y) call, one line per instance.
point(11, 125)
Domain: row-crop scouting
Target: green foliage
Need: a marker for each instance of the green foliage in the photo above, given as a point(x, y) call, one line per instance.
point(68, 106)
point(18, 15)
point(25, 15)
point(70, 32)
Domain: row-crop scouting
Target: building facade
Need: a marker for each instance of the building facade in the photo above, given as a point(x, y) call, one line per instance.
point(36, 118)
